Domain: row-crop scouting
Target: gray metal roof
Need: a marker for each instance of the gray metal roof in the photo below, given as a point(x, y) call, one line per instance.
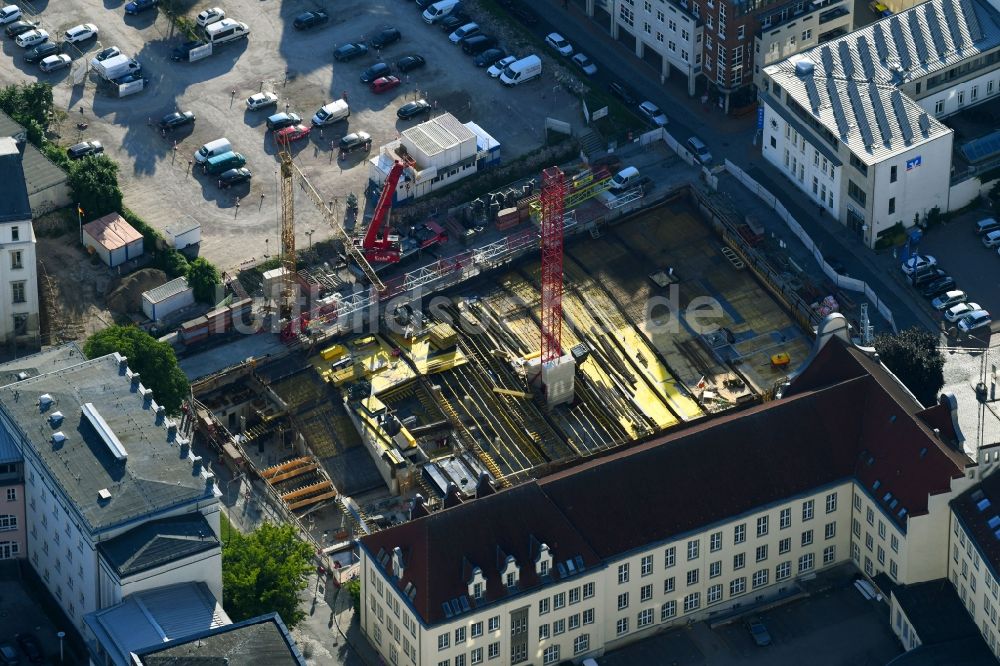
point(439, 134)
point(14, 204)
point(158, 542)
point(151, 479)
point(39, 172)
point(166, 290)
point(259, 641)
point(152, 617)
point(851, 89)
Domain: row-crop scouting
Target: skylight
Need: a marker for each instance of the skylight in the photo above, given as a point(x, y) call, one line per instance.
point(104, 430)
point(983, 504)
point(993, 522)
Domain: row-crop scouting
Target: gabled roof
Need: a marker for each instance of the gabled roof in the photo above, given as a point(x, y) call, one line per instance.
point(978, 509)
point(14, 205)
point(158, 542)
point(112, 231)
point(40, 173)
point(259, 641)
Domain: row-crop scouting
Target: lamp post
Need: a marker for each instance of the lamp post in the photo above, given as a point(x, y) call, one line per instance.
point(310, 235)
point(61, 635)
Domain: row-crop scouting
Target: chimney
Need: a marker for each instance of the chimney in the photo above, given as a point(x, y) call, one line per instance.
point(485, 485)
point(123, 364)
point(21, 139)
point(135, 379)
point(397, 562)
point(197, 464)
point(184, 447)
point(210, 483)
point(451, 497)
point(417, 509)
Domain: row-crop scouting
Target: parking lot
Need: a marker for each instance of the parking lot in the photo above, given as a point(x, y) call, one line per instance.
point(27, 608)
point(155, 172)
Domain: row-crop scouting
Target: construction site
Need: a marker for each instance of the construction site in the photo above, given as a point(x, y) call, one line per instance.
point(565, 345)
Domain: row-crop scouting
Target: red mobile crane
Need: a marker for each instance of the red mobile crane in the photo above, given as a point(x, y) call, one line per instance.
point(379, 245)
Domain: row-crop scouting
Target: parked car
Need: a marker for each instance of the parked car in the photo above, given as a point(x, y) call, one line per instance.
point(109, 52)
point(31, 38)
point(948, 299)
point(234, 177)
point(41, 52)
point(139, 6)
point(292, 133)
point(653, 114)
point(621, 92)
point(454, 21)
point(349, 51)
point(81, 33)
point(987, 225)
point(585, 64)
point(497, 68)
point(356, 141)
point(410, 62)
point(974, 320)
point(53, 62)
point(31, 647)
point(181, 52)
point(960, 310)
point(917, 263)
point(384, 84)
point(177, 119)
point(376, 71)
point(413, 109)
point(700, 151)
point(261, 100)
point(489, 57)
point(9, 14)
point(8, 654)
point(84, 148)
point(939, 286)
point(928, 274)
point(310, 19)
point(467, 30)
point(385, 38)
point(18, 28)
point(209, 16)
point(759, 633)
point(559, 43)
point(281, 120)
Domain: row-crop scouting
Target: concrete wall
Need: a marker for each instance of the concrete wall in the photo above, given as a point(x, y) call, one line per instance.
point(901, 625)
point(915, 191)
point(204, 567)
point(26, 274)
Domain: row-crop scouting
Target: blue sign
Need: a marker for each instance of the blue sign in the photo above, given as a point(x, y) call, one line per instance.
point(760, 117)
point(913, 163)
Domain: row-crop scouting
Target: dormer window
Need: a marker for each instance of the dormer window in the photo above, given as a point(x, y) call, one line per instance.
point(477, 584)
point(543, 568)
point(511, 580)
point(543, 562)
point(477, 591)
point(510, 573)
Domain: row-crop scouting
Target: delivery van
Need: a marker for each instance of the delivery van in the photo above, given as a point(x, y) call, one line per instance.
point(211, 149)
point(439, 10)
point(332, 112)
point(226, 30)
point(624, 179)
point(521, 71)
point(224, 162)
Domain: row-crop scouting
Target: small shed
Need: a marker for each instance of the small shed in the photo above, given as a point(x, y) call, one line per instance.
point(113, 239)
point(160, 302)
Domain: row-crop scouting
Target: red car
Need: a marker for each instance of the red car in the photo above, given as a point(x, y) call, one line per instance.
point(293, 133)
point(384, 83)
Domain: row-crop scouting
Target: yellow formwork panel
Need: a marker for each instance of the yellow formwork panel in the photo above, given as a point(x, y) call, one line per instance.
point(427, 359)
point(372, 358)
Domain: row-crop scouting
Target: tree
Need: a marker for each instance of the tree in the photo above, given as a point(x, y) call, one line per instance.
point(155, 361)
point(202, 278)
point(353, 588)
point(94, 181)
point(175, 264)
point(30, 105)
point(913, 356)
point(263, 572)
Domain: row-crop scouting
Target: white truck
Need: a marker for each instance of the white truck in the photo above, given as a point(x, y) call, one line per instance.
point(114, 67)
point(226, 30)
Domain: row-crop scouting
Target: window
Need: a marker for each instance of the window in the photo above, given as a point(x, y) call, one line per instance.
point(856, 527)
point(737, 586)
point(715, 569)
point(859, 165)
point(892, 205)
point(477, 630)
point(762, 526)
point(543, 606)
point(574, 621)
point(806, 562)
point(715, 542)
point(559, 627)
point(574, 596)
point(870, 516)
point(511, 580)
point(8, 523)
point(444, 641)
point(647, 565)
point(714, 594)
point(740, 533)
point(881, 530)
point(644, 619)
point(893, 571)
point(12, 494)
point(961, 97)
point(785, 519)
point(668, 610)
point(783, 571)
point(857, 498)
point(543, 568)
point(829, 554)
point(622, 626)
point(739, 561)
point(668, 585)
point(869, 541)
point(692, 602)
point(622, 574)
point(856, 193)
point(559, 600)
point(894, 543)
point(15, 233)
point(759, 578)
point(494, 624)
point(881, 557)
point(829, 530)
point(460, 658)
point(692, 577)
point(588, 590)
point(807, 34)
point(761, 553)
point(477, 591)
point(581, 643)
point(807, 510)
point(588, 616)
point(807, 538)
point(831, 502)
point(669, 557)
point(493, 651)
point(543, 631)
point(444, 662)
point(459, 635)
point(9, 549)
point(550, 655)
point(692, 548)
point(892, 179)
point(856, 553)
point(17, 292)
point(623, 601)
point(15, 260)
point(939, 107)
point(646, 592)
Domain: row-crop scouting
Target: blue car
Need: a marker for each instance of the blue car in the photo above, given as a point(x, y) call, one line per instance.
point(137, 6)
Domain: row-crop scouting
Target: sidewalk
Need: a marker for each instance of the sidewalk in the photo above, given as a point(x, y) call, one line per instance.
point(329, 634)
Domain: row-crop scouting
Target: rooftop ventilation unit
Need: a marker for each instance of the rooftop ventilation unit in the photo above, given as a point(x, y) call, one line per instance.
point(56, 418)
point(58, 437)
point(104, 430)
point(804, 67)
point(104, 494)
point(45, 400)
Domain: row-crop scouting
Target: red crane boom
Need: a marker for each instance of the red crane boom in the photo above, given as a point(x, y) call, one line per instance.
point(379, 245)
point(553, 196)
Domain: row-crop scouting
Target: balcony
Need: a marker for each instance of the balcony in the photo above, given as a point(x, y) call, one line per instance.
point(835, 13)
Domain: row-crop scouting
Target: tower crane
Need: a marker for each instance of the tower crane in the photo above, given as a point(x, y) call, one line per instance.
point(553, 196)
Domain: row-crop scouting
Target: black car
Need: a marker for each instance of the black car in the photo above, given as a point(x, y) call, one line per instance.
point(282, 120)
point(109, 52)
point(410, 63)
point(84, 148)
point(172, 121)
point(31, 647)
point(349, 51)
point(939, 286)
point(413, 109)
point(386, 37)
point(310, 19)
point(476, 44)
point(18, 27)
point(929, 275)
point(42, 51)
point(139, 6)
point(376, 71)
point(453, 21)
point(488, 57)
point(622, 93)
point(355, 141)
point(234, 177)
point(181, 52)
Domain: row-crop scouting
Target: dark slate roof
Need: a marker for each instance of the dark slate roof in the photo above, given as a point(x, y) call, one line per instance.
point(971, 651)
point(935, 611)
point(263, 641)
point(158, 542)
point(40, 363)
point(40, 173)
point(976, 521)
point(14, 205)
point(153, 478)
point(825, 431)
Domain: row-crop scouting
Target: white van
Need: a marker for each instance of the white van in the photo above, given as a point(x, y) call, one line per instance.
point(332, 112)
point(212, 149)
point(439, 10)
point(226, 30)
point(521, 71)
point(624, 179)
point(992, 239)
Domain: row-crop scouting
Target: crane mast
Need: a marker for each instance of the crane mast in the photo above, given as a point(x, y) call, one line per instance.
point(287, 235)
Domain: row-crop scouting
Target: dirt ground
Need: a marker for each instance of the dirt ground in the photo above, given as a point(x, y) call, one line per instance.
point(71, 288)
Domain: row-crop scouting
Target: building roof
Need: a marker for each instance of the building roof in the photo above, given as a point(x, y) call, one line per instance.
point(852, 87)
point(836, 425)
point(159, 542)
point(14, 205)
point(112, 232)
point(978, 420)
point(153, 617)
point(40, 363)
point(40, 173)
point(166, 290)
point(978, 509)
point(259, 641)
point(439, 134)
point(935, 611)
point(152, 478)
point(971, 651)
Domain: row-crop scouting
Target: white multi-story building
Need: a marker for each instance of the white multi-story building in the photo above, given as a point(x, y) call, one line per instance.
point(855, 122)
point(18, 273)
point(846, 466)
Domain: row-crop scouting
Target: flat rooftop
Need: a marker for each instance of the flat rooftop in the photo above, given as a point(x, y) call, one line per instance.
point(40, 363)
point(259, 641)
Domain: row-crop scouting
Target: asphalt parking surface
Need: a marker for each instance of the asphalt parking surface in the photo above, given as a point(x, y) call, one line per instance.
point(154, 170)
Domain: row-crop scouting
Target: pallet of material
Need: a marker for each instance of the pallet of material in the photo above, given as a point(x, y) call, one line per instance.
point(443, 336)
point(507, 218)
